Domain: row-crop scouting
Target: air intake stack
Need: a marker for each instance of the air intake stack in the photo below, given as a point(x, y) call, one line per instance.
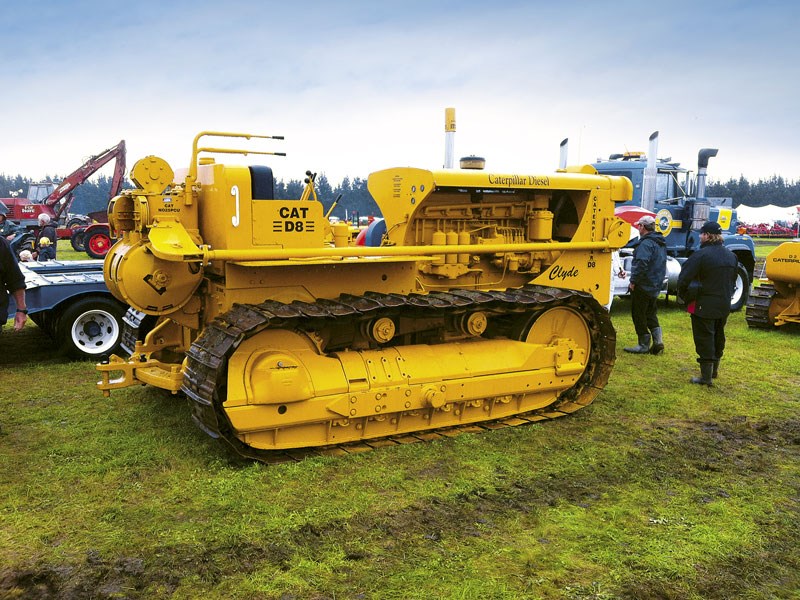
point(449, 136)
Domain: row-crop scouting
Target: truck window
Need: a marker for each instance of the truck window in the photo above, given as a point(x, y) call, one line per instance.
point(664, 187)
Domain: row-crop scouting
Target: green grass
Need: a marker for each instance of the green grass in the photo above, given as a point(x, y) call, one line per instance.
point(764, 247)
point(660, 489)
point(65, 252)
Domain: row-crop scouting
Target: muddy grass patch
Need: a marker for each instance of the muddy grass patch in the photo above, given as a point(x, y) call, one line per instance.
point(669, 471)
point(158, 574)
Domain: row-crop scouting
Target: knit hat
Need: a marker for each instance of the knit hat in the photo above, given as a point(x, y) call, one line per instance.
point(711, 227)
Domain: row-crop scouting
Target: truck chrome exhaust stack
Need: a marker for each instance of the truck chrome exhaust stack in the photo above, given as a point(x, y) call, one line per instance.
point(702, 169)
point(700, 208)
point(649, 184)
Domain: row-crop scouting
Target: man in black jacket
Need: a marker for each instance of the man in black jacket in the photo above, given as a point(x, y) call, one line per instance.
point(647, 277)
point(706, 284)
point(11, 282)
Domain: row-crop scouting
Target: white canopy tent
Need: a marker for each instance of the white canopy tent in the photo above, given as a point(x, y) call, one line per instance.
point(769, 214)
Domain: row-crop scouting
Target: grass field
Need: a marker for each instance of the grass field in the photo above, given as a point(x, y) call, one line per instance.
point(660, 489)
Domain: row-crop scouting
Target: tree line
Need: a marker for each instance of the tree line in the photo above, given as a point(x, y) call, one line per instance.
point(93, 195)
point(355, 200)
point(775, 190)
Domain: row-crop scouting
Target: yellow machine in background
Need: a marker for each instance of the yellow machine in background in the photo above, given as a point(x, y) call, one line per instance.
point(776, 301)
point(482, 301)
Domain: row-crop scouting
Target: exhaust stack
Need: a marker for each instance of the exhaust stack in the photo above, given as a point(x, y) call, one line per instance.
point(649, 185)
point(702, 169)
point(449, 136)
point(562, 159)
point(700, 207)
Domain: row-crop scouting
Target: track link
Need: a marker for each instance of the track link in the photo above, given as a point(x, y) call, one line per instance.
point(757, 311)
point(206, 369)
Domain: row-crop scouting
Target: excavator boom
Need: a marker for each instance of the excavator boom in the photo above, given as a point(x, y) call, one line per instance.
point(86, 170)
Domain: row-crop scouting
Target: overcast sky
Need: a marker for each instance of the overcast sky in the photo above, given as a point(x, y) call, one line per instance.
point(360, 86)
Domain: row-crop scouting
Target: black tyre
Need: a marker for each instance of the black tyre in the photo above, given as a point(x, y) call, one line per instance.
point(90, 327)
point(741, 290)
point(76, 222)
point(46, 320)
point(76, 239)
point(97, 242)
point(23, 241)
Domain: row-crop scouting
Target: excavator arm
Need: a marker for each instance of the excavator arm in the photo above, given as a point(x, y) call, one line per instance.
point(86, 170)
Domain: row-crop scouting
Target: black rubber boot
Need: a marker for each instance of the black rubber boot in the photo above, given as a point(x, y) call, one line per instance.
point(658, 341)
point(706, 370)
point(715, 372)
point(643, 347)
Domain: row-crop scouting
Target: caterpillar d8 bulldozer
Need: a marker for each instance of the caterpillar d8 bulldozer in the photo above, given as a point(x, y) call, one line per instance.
point(479, 300)
point(776, 301)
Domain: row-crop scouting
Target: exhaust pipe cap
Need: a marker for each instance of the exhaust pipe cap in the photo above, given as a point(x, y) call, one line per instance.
point(472, 162)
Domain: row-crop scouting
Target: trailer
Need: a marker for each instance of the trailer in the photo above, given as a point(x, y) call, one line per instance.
point(69, 300)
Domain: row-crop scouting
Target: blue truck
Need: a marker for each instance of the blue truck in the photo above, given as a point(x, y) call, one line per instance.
point(678, 200)
point(69, 300)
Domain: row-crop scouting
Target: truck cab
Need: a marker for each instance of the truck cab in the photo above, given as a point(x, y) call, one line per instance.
point(677, 198)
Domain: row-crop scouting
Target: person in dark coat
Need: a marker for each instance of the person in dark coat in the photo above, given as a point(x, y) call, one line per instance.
point(648, 270)
point(7, 228)
point(46, 230)
point(706, 284)
point(12, 282)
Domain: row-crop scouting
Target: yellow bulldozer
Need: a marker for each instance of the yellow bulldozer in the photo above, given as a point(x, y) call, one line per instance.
point(479, 300)
point(776, 301)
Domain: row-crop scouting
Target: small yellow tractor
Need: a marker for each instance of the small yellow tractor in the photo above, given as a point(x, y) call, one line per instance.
point(776, 301)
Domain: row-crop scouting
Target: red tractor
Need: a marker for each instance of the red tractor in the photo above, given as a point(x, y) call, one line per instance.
point(55, 200)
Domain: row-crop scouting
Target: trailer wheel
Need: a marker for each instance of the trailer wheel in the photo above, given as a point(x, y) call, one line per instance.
point(97, 243)
point(90, 327)
point(741, 288)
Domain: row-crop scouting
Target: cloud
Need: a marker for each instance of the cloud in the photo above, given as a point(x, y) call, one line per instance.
point(361, 86)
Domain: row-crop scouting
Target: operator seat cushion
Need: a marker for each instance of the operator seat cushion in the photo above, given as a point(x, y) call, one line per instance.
point(262, 183)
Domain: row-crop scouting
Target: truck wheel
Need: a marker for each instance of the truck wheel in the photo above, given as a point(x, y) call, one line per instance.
point(90, 327)
point(97, 243)
point(741, 289)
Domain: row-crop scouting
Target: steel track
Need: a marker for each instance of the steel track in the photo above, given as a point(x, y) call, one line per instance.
point(206, 370)
point(757, 310)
